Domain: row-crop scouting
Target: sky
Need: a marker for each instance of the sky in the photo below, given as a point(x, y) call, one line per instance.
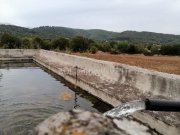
point(162, 16)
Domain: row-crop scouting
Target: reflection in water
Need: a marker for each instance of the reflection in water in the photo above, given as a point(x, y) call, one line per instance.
point(76, 105)
point(16, 64)
point(28, 95)
point(1, 74)
point(65, 96)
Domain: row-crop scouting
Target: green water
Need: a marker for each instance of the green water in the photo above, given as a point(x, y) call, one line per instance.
point(29, 94)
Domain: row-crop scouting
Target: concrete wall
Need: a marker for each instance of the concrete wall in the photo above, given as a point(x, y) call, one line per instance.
point(155, 82)
point(104, 69)
point(18, 53)
point(158, 83)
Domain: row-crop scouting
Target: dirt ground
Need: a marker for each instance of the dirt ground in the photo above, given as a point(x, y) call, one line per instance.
point(168, 64)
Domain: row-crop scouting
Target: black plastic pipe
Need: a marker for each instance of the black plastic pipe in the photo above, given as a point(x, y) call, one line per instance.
point(162, 105)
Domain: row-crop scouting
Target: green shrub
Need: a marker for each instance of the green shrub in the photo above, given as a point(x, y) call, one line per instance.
point(47, 45)
point(131, 49)
point(105, 47)
point(37, 43)
point(26, 44)
point(79, 44)
point(60, 43)
point(10, 42)
point(93, 49)
point(122, 47)
point(170, 49)
point(139, 48)
point(155, 49)
point(147, 52)
point(114, 51)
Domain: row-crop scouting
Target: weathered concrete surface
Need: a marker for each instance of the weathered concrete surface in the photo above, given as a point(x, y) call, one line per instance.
point(8, 54)
point(112, 92)
point(15, 65)
point(78, 122)
point(157, 83)
point(116, 83)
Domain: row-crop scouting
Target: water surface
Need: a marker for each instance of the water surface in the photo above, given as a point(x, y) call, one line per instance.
point(29, 94)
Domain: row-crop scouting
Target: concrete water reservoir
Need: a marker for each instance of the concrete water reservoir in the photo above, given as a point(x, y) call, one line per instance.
point(113, 83)
point(29, 94)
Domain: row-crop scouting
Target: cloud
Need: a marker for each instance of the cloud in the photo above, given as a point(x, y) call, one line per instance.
point(116, 15)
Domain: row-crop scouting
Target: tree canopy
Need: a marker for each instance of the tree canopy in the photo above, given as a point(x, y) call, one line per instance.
point(50, 32)
point(83, 44)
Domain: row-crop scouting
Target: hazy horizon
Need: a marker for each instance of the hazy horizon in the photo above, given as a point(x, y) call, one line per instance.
point(160, 16)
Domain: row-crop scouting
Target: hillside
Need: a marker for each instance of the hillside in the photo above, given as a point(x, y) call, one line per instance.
point(53, 32)
point(95, 34)
point(148, 37)
point(16, 30)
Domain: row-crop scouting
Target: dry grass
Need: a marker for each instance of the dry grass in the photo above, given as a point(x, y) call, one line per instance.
point(168, 64)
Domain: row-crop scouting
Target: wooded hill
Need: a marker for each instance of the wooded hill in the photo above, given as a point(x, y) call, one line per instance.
point(48, 32)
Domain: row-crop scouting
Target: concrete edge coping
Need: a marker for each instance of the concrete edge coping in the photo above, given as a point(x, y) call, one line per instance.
point(126, 66)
